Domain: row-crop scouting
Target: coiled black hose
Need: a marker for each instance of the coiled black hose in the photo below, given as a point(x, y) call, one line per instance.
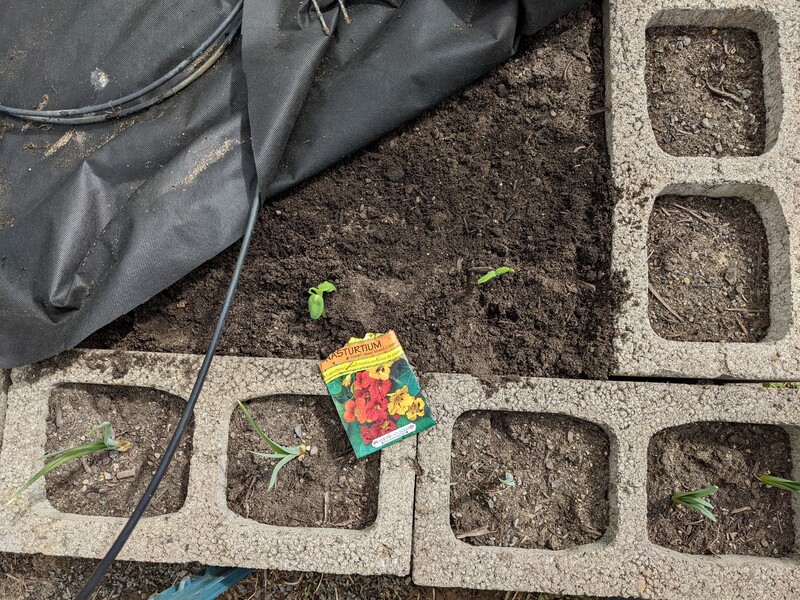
point(223, 35)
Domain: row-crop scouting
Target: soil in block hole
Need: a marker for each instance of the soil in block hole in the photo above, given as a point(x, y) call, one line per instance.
point(111, 483)
point(705, 91)
point(528, 480)
point(752, 519)
point(709, 272)
point(330, 487)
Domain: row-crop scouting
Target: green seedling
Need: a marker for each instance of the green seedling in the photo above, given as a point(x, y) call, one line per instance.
point(495, 273)
point(777, 482)
point(509, 480)
point(316, 303)
point(795, 385)
point(104, 440)
point(282, 454)
point(696, 500)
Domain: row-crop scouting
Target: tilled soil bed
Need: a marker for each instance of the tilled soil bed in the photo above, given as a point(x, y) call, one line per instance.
point(329, 487)
point(511, 171)
point(752, 518)
point(111, 483)
point(528, 480)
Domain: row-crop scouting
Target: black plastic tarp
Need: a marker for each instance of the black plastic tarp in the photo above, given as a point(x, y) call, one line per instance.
point(96, 219)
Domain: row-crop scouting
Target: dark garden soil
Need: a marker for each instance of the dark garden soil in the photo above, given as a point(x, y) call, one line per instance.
point(705, 91)
point(111, 483)
point(511, 171)
point(329, 487)
point(559, 494)
point(709, 272)
point(752, 518)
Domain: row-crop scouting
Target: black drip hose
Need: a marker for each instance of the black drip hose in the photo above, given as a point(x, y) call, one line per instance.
point(101, 569)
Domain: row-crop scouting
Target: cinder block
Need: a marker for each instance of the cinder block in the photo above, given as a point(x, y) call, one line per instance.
point(5, 379)
point(204, 529)
point(642, 171)
point(623, 562)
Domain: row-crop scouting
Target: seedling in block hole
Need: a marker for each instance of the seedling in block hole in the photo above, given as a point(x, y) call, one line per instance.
point(495, 273)
point(777, 482)
point(316, 303)
point(281, 453)
point(104, 440)
point(696, 500)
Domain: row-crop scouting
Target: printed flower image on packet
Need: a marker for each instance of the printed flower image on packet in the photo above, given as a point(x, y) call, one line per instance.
point(376, 392)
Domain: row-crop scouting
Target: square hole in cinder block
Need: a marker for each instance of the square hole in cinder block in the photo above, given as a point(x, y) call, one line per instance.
point(328, 488)
point(528, 480)
point(111, 483)
point(708, 263)
point(752, 519)
point(705, 91)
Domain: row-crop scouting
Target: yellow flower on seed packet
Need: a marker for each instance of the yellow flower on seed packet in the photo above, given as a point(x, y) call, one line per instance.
point(400, 401)
point(380, 372)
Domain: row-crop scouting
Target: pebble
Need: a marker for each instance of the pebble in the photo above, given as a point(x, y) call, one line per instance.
point(718, 148)
point(548, 464)
point(694, 255)
point(745, 94)
point(395, 174)
point(706, 123)
point(502, 91)
point(127, 474)
point(687, 41)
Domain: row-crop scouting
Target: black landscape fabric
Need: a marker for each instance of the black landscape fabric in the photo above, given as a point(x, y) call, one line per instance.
point(96, 219)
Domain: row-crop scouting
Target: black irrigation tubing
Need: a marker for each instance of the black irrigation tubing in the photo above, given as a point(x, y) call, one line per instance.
point(226, 31)
point(101, 569)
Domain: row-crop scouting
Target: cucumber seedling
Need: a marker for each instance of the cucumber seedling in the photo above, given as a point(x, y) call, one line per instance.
point(316, 303)
point(283, 454)
point(495, 273)
point(104, 440)
point(696, 500)
point(777, 482)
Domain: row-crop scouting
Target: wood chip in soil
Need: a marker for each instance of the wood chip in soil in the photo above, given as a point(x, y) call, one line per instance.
point(143, 416)
point(705, 91)
point(752, 518)
point(559, 467)
point(328, 488)
point(709, 271)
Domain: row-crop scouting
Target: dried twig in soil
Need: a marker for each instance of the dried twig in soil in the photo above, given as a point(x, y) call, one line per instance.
point(663, 302)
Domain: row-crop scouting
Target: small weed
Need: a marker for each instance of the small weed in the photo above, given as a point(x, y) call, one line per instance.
point(795, 385)
point(777, 482)
point(696, 500)
point(282, 454)
point(316, 303)
point(104, 440)
point(495, 273)
point(509, 480)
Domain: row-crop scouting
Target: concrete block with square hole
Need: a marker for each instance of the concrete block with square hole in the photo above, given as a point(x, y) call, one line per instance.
point(624, 561)
point(204, 528)
point(5, 379)
point(642, 172)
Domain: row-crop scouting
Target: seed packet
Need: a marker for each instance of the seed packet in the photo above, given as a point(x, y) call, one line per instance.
point(376, 392)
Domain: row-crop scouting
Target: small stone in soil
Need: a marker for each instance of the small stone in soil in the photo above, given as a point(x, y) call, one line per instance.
point(127, 474)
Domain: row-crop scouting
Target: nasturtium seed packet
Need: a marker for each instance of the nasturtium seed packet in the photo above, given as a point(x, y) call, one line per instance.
point(376, 392)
